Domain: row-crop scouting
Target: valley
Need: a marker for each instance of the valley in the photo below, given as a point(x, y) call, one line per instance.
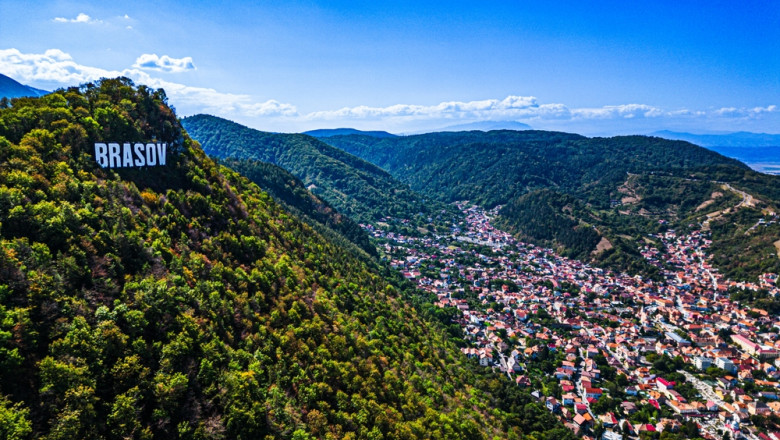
point(567, 192)
point(596, 293)
point(253, 284)
point(606, 352)
point(182, 301)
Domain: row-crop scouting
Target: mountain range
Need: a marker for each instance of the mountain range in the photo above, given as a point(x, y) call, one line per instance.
point(10, 88)
point(328, 132)
point(352, 185)
point(470, 126)
point(487, 126)
point(593, 199)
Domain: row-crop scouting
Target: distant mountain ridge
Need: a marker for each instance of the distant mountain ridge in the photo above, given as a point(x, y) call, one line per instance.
point(737, 139)
point(488, 126)
point(10, 88)
point(328, 132)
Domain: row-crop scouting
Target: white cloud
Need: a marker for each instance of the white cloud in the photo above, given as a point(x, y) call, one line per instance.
point(81, 18)
point(270, 107)
point(687, 112)
point(150, 61)
point(526, 108)
point(53, 65)
point(754, 112)
point(509, 106)
point(627, 111)
point(56, 66)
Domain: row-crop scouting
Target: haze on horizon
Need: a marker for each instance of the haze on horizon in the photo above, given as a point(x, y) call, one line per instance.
point(598, 68)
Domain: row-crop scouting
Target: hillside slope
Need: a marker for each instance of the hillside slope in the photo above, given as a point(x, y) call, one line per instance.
point(353, 186)
point(10, 88)
point(574, 193)
point(182, 302)
point(291, 193)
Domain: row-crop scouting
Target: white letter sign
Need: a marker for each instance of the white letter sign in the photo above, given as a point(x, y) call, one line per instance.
point(128, 155)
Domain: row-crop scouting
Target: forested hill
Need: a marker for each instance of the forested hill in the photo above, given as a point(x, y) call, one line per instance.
point(292, 194)
point(353, 186)
point(183, 302)
point(494, 167)
point(570, 192)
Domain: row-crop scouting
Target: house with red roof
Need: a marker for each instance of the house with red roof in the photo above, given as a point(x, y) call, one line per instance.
point(593, 393)
point(663, 384)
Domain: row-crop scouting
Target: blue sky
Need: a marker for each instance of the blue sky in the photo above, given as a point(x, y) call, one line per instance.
point(406, 66)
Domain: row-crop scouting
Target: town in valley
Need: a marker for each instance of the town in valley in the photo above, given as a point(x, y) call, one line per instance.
point(613, 356)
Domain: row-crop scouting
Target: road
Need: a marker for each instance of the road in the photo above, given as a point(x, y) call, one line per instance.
point(714, 425)
point(703, 388)
point(503, 361)
point(747, 199)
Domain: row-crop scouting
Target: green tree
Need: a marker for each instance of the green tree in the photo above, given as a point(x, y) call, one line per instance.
point(14, 420)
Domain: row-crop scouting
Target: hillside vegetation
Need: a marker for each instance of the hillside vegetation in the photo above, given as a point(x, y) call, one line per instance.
point(292, 194)
point(183, 302)
point(591, 198)
point(353, 186)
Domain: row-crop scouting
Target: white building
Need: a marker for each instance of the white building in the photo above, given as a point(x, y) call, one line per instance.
point(702, 363)
point(725, 364)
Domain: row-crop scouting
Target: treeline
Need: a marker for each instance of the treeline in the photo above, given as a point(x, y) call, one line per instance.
point(494, 167)
point(548, 218)
point(742, 248)
point(291, 193)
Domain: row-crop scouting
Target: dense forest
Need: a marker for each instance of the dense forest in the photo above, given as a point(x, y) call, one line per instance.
point(552, 217)
point(353, 186)
point(184, 302)
point(292, 194)
point(569, 191)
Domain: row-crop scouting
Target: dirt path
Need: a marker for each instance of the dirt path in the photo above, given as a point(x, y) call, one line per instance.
point(710, 201)
point(747, 200)
point(603, 245)
point(629, 194)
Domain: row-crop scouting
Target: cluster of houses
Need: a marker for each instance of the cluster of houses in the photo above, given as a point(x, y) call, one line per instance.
point(516, 299)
